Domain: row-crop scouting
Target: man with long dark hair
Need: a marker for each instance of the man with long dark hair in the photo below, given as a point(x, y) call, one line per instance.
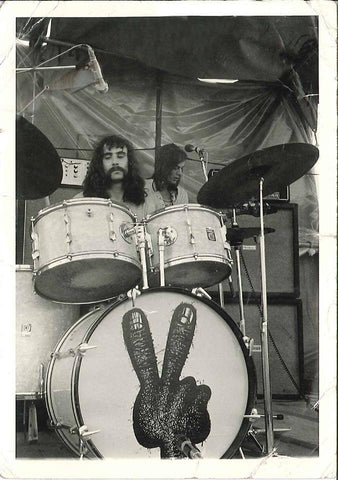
point(163, 188)
point(113, 173)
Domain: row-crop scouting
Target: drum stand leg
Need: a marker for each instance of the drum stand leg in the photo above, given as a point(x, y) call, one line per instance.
point(32, 428)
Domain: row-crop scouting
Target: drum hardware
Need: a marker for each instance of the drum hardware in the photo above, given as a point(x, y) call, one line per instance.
point(190, 233)
point(189, 450)
point(161, 243)
point(255, 416)
point(32, 429)
point(42, 379)
point(133, 294)
point(141, 247)
point(200, 292)
point(84, 436)
point(73, 352)
point(60, 425)
point(112, 234)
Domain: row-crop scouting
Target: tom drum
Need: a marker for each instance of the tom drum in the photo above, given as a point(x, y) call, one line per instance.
point(195, 250)
point(80, 252)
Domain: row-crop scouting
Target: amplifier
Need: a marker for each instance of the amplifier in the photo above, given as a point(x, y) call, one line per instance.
point(281, 252)
point(286, 352)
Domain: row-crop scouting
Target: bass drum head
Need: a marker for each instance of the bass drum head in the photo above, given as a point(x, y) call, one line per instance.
point(106, 385)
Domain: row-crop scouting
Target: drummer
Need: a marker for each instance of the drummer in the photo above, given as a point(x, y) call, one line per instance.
point(163, 189)
point(113, 173)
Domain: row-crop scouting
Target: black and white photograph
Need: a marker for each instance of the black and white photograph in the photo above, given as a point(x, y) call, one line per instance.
point(168, 269)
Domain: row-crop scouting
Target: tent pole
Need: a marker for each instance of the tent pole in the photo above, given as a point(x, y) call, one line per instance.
point(158, 125)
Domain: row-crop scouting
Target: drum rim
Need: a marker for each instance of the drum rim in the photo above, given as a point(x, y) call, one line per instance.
point(24, 268)
point(82, 201)
point(183, 206)
point(236, 331)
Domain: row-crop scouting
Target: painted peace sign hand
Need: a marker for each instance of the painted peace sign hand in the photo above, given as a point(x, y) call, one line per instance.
point(167, 411)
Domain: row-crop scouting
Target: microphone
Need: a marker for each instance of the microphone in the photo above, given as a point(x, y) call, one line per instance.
point(192, 148)
point(100, 85)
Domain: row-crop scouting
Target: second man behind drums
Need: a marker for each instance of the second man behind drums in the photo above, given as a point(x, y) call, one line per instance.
point(163, 188)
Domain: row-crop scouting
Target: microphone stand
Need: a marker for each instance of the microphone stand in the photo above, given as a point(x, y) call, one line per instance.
point(203, 154)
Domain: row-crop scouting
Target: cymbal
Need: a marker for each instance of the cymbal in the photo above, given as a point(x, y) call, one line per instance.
point(38, 165)
point(236, 235)
point(238, 182)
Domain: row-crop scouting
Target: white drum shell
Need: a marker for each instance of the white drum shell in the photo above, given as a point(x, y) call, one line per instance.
point(39, 326)
point(99, 389)
point(201, 261)
point(81, 254)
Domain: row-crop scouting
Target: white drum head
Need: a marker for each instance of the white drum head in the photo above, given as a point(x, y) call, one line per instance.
point(106, 385)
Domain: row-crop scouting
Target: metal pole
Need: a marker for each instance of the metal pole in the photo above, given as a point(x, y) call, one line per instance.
point(240, 293)
point(264, 337)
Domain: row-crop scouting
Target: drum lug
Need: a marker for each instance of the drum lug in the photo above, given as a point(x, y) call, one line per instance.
point(66, 220)
point(35, 245)
point(112, 235)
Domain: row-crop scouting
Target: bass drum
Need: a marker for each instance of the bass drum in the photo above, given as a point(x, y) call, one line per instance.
point(92, 385)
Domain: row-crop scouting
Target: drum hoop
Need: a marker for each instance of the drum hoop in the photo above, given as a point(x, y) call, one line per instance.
point(235, 329)
point(200, 257)
point(83, 201)
point(49, 372)
point(83, 255)
point(181, 207)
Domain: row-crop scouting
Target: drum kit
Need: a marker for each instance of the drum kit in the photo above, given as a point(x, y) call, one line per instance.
point(93, 252)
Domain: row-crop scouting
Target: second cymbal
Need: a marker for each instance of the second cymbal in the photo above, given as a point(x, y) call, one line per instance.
point(238, 182)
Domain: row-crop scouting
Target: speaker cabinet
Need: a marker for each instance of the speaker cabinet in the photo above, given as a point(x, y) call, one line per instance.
point(281, 252)
point(286, 333)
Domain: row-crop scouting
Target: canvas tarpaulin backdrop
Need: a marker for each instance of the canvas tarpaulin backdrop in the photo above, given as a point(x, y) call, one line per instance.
point(152, 66)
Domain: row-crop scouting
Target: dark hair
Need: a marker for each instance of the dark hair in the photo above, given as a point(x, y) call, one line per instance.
point(96, 183)
point(168, 157)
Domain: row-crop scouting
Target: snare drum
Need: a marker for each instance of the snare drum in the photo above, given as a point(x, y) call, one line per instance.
point(39, 326)
point(196, 252)
point(81, 253)
point(92, 385)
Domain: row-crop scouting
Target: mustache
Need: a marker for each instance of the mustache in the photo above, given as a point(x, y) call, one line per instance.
point(115, 169)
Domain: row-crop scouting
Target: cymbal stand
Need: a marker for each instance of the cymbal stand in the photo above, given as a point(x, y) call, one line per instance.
point(264, 334)
point(239, 278)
